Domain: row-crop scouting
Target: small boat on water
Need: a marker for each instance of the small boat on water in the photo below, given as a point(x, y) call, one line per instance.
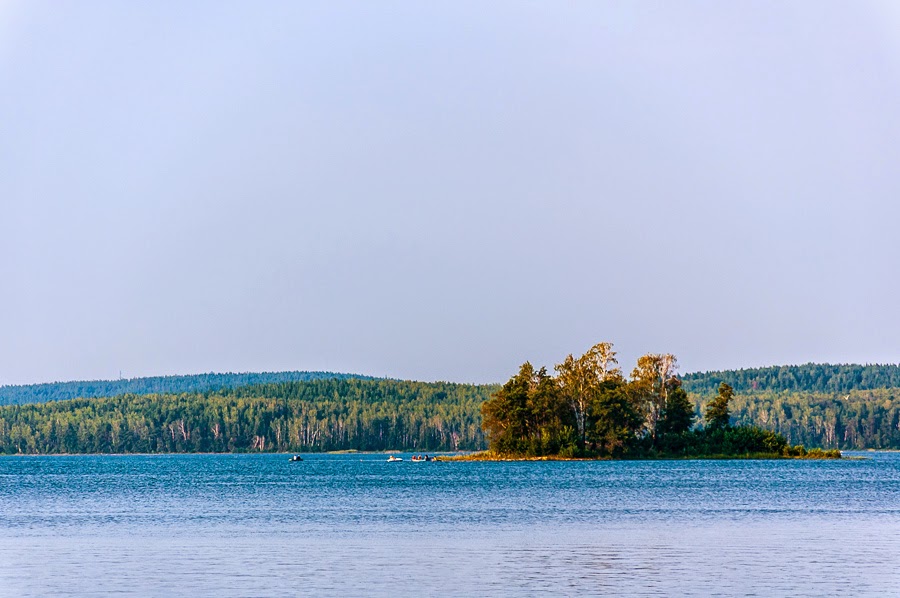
point(421, 459)
point(392, 458)
point(296, 458)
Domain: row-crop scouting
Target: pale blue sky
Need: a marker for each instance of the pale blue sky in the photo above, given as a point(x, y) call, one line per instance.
point(443, 190)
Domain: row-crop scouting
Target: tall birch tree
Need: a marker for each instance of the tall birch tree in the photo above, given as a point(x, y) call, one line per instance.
point(651, 380)
point(580, 381)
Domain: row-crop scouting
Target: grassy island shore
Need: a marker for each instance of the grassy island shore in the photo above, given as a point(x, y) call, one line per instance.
point(812, 454)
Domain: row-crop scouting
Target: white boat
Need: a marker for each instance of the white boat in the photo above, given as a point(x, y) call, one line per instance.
point(392, 458)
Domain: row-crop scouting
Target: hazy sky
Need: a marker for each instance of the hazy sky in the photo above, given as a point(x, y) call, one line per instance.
point(442, 190)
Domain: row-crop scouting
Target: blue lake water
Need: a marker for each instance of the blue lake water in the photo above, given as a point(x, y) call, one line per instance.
point(352, 525)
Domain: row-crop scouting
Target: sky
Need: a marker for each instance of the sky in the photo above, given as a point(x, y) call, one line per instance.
point(444, 190)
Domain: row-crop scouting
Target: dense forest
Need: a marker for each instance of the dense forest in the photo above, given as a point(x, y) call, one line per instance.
point(833, 406)
point(61, 391)
point(319, 415)
point(335, 412)
point(868, 419)
point(590, 409)
point(811, 377)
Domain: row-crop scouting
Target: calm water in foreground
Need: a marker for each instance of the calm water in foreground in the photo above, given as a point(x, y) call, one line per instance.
point(257, 525)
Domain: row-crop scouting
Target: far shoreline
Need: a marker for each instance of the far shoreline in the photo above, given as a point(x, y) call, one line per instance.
point(488, 456)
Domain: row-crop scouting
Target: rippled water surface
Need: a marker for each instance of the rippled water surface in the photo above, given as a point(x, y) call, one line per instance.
point(258, 525)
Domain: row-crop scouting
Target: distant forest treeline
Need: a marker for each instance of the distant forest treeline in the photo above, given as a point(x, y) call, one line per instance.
point(807, 378)
point(61, 391)
point(810, 377)
point(865, 419)
point(319, 415)
point(335, 412)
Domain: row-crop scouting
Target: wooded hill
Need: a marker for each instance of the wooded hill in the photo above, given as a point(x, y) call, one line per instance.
point(846, 406)
point(866, 419)
point(335, 412)
point(810, 377)
point(61, 391)
point(319, 415)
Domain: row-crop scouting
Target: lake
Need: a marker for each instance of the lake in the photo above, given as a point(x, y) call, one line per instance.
point(259, 525)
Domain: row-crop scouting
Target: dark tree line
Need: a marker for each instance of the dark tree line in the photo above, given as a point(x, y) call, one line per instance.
point(811, 377)
point(61, 391)
point(586, 405)
point(868, 419)
point(590, 409)
point(322, 415)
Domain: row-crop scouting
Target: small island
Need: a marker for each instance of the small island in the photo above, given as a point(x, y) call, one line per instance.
point(589, 410)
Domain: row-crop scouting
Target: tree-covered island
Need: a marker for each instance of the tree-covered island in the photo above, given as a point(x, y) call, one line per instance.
point(590, 410)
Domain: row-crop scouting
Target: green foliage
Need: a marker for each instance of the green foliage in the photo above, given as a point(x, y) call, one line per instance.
point(651, 380)
point(818, 453)
point(717, 414)
point(855, 420)
point(720, 441)
point(529, 416)
point(810, 377)
point(612, 420)
point(678, 413)
point(794, 451)
point(338, 413)
point(581, 380)
point(649, 416)
point(322, 415)
point(62, 391)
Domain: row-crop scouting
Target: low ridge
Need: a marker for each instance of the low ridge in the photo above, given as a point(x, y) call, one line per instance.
point(89, 389)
